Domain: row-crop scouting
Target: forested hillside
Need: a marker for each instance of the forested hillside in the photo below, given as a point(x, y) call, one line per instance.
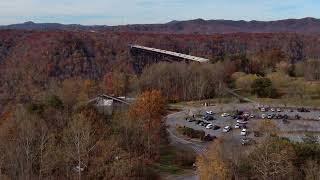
point(47, 78)
point(30, 60)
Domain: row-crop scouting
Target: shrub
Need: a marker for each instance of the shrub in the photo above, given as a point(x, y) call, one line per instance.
point(55, 102)
point(35, 108)
point(279, 79)
point(191, 133)
point(245, 82)
point(263, 88)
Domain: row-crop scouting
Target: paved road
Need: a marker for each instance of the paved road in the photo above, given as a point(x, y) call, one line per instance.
point(180, 142)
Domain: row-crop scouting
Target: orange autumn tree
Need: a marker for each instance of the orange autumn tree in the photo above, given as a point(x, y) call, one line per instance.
point(116, 83)
point(148, 111)
point(212, 164)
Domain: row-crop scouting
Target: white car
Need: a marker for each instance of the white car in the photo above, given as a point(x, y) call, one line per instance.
point(224, 114)
point(243, 132)
point(263, 109)
point(272, 109)
point(252, 116)
point(226, 129)
point(242, 122)
point(237, 126)
point(278, 110)
point(210, 112)
point(209, 126)
point(263, 116)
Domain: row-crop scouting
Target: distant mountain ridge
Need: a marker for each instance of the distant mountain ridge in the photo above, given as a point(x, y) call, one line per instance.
point(50, 26)
point(196, 26)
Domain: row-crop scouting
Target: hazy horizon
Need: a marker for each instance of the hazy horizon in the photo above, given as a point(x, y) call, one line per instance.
point(154, 23)
point(112, 12)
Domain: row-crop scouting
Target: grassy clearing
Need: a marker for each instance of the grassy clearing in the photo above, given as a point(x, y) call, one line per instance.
point(175, 161)
point(211, 102)
point(308, 102)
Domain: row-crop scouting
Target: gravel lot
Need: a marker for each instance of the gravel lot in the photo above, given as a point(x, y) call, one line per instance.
point(294, 130)
point(308, 122)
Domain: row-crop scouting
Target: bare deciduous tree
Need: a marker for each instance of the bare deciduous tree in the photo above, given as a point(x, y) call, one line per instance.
point(77, 138)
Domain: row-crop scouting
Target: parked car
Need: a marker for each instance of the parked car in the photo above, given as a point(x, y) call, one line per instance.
point(243, 132)
point(209, 126)
point(263, 109)
point(272, 110)
point(208, 138)
point(303, 110)
point(190, 119)
point(225, 115)
point(263, 116)
point(205, 124)
point(246, 114)
point(242, 122)
point(245, 141)
point(237, 126)
point(239, 117)
point(210, 112)
point(252, 116)
point(269, 116)
point(226, 129)
point(279, 116)
point(215, 127)
point(198, 122)
point(279, 110)
point(209, 118)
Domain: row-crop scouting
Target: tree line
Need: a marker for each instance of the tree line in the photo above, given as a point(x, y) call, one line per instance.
point(63, 138)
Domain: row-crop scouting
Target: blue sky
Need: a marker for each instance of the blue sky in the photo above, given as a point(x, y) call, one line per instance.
point(114, 12)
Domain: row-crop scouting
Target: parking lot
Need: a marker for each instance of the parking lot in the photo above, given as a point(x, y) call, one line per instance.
point(288, 120)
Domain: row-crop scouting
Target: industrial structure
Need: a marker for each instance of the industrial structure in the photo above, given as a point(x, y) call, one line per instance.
point(171, 53)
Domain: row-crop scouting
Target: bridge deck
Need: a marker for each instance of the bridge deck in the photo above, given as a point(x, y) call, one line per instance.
point(179, 55)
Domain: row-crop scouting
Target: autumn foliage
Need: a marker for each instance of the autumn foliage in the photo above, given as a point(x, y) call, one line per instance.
point(149, 105)
point(53, 137)
point(148, 112)
point(213, 165)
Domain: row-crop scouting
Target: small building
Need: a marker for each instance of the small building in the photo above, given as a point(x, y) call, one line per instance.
point(109, 104)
